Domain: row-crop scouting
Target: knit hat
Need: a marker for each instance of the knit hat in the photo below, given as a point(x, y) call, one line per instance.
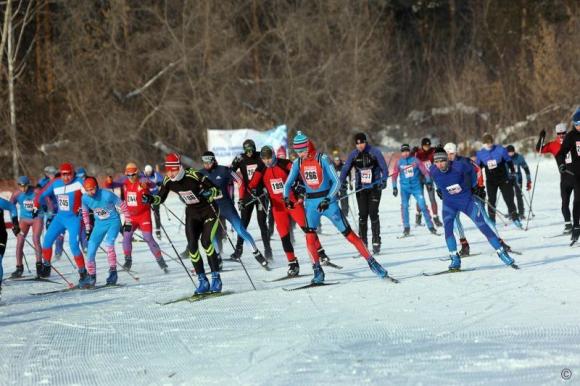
point(23, 180)
point(440, 154)
point(131, 168)
point(172, 162)
point(300, 142)
point(405, 147)
point(510, 148)
point(90, 183)
point(360, 138)
point(450, 147)
point(66, 168)
point(561, 128)
point(425, 141)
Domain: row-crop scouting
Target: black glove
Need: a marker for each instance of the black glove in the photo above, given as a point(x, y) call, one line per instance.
point(254, 192)
point(15, 226)
point(35, 212)
point(382, 184)
point(289, 204)
point(542, 135)
point(429, 186)
point(562, 168)
point(300, 191)
point(241, 205)
point(324, 204)
point(479, 191)
point(127, 227)
point(439, 193)
point(395, 191)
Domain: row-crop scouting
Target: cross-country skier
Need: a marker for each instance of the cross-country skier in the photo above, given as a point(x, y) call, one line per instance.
point(456, 183)
point(499, 174)
point(106, 207)
point(133, 189)
point(24, 198)
point(67, 191)
point(50, 173)
point(371, 173)
point(425, 155)
point(201, 216)
point(273, 179)
point(248, 163)
point(81, 174)
point(411, 170)
point(566, 172)
point(338, 165)
point(322, 186)
point(519, 164)
point(156, 180)
point(571, 144)
point(222, 177)
point(6, 205)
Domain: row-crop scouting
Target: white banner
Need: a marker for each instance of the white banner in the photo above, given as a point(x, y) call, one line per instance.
point(227, 144)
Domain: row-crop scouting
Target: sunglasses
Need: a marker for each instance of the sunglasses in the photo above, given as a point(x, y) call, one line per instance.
point(562, 133)
point(576, 123)
point(131, 175)
point(207, 159)
point(65, 174)
point(23, 185)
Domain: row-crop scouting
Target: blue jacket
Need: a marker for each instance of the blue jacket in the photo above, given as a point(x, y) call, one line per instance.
point(222, 177)
point(410, 169)
point(456, 182)
point(156, 180)
point(494, 162)
point(26, 202)
point(104, 205)
point(7, 205)
point(318, 175)
point(68, 196)
point(519, 164)
point(370, 167)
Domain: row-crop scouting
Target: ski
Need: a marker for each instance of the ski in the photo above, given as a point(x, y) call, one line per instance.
point(461, 257)
point(448, 271)
point(283, 278)
point(404, 236)
point(311, 285)
point(196, 298)
point(332, 265)
point(558, 235)
point(31, 278)
point(97, 287)
point(391, 279)
point(515, 252)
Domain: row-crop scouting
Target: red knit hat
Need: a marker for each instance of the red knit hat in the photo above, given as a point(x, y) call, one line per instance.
point(172, 162)
point(66, 168)
point(90, 183)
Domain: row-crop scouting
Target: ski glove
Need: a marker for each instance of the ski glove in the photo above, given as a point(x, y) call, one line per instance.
point(382, 184)
point(439, 193)
point(542, 135)
point(479, 191)
point(324, 204)
point(150, 199)
point(127, 227)
point(529, 185)
point(15, 226)
point(289, 204)
point(562, 168)
point(395, 191)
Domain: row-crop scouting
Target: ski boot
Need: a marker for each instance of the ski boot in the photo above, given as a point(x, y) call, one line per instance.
point(268, 253)
point(158, 234)
point(162, 264)
point(260, 258)
point(455, 262)
point(518, 223)
point(18, 273)
point(237, 255)
point(418, 219)
point(507, 260)
point(318, 274)
point(567, 228)
point(506, 247)
point(437, 221)
point(293, 268)
point(46, 269)
point(376, 245)
point(406, 232)
point(112, 279)
point(324, 259)
point(464, 247)
point(203, 286)
point(38, 269)
point(377, 268)
point(433, 230)
point(216, 282)
point(128, 263)
point(575, 234)
point(84, 278)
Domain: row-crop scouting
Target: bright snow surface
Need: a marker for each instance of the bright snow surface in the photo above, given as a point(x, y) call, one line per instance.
point(494, 325)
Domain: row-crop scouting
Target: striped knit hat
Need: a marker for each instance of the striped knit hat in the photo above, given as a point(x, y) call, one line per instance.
point(172, 162)
point(300, 142)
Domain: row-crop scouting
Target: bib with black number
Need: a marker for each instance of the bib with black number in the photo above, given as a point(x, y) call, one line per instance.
point(491, 164)
point(311, 175)
point(578, 147)
point(63, 202)
point(132, 199)
point(28, 205)
point(102, 213)
point(454, 189)
point(251, 170)
point(409, 171)
point(277, 185)
point(366, 176)
point(189, 198)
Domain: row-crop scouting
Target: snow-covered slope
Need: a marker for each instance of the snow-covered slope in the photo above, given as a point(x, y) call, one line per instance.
point(493, 325)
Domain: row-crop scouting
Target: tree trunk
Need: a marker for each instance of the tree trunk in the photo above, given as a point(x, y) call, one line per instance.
point(10, 58)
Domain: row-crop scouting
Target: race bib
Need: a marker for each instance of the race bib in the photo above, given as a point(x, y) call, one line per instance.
point(63, 202)
point(102, 213)
point(132, 199)
point(189, 198)
point(251, 170)
point(568, 159)
point(28, 205)
point(427, 164)
point(491, 164)
point(277, 186)
point(311, 176)
point(409, 171)
point(366, 176)
point(578, 147)
point(454, 189)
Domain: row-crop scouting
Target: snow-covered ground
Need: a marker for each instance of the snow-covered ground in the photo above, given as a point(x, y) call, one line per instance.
point(494, 325)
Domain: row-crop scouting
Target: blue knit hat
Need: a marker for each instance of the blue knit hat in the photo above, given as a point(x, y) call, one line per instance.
point(576, 117)
point(300, 142)
point(23, 180)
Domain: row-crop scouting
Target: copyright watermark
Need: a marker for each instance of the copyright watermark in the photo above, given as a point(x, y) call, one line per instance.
point(566, 374)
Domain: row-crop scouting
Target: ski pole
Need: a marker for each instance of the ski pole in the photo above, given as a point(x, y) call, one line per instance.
point(24, 255)
point(175, 250)
point(70, 285)
point(530, 212)
point(118, 264)
point(174, 215)
point(232, 244)
point(167, 214)
point(535, 179)
point(502, 215)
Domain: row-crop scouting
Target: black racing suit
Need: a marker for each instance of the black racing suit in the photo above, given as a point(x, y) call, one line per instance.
point(572, 144)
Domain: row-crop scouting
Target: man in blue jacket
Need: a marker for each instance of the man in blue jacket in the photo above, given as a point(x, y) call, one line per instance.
point(371, 172)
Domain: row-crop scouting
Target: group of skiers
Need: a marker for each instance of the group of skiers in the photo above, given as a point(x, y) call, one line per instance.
point(293, 192)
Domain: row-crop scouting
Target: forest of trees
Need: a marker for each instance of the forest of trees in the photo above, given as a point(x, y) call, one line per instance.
point(97, 82)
